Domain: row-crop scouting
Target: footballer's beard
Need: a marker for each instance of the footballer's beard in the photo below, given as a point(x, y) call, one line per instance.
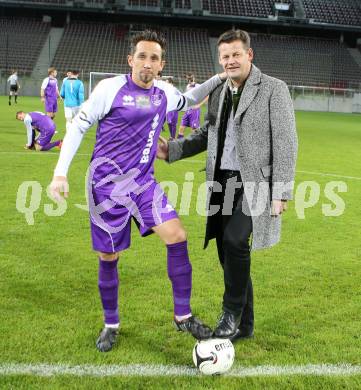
point(146, 77)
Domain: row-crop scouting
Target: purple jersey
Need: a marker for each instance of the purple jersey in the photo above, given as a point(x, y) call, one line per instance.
point(41, 122)
point(192, 116)
point(50, 87)
point(130, 119)
point(128, 132)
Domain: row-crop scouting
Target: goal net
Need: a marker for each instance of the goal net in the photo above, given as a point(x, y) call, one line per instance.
point(95, 77)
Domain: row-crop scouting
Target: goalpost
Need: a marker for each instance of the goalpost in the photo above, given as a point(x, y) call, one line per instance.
point(95, 77)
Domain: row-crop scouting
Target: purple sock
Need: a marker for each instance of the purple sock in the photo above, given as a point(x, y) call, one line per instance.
point(172, 129)
point(180, 274)
point(50, 145)
point(108, 283)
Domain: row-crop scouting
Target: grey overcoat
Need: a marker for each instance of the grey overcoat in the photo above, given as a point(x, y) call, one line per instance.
point(266, 144)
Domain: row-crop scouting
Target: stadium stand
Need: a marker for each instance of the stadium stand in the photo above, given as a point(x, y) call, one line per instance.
point(144, 3)
point(189, 51)
point(21, 40)
point(346, 12)
point(255, 8)
point(51, 2)
point(183, 4)
point(104, 47)
point(306, 61)
point(94, 47)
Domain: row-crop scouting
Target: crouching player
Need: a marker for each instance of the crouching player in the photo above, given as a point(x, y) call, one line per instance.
point(131, 110)
point(37, 121)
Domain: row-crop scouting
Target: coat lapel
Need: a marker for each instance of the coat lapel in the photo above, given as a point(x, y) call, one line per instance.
point(249, 92)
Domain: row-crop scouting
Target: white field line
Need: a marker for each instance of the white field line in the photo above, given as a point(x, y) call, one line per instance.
point(191, 161)
point(43, 153)
point(330, 174)
point(139, 370)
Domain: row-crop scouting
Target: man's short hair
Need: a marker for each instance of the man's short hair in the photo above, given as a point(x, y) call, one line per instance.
point(75, 72)
point(18, 113)
point(149, 36)
point(235, 35)
point(190, 76)
point(51, 70)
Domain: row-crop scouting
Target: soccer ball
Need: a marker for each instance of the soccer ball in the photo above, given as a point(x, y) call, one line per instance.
point(213, 356)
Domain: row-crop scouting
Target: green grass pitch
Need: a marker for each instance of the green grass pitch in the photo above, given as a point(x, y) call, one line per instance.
point(307, 289)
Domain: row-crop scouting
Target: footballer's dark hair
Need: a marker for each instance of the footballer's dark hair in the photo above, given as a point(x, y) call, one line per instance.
point(235, 35)
point(149, 36)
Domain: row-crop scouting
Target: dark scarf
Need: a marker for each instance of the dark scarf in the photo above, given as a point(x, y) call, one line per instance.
point(226, 111)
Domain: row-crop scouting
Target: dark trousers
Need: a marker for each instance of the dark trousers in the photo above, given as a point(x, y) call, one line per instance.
point(233, 246)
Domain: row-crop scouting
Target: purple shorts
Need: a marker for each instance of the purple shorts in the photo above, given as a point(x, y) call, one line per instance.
point(45, 136)
point(191, 118)
point(111, 215)
point(51, 105)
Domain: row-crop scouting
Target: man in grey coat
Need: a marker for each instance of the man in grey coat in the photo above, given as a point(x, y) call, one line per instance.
point(250, 136)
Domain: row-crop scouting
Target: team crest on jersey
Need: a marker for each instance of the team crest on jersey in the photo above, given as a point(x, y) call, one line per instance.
point(142, 101)
point(157, 99)
point(128, 100)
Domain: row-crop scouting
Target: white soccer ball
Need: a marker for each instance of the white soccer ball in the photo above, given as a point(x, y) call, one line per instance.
point(213, 356)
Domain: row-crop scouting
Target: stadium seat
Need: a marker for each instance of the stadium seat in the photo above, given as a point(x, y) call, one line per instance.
point(15, 35)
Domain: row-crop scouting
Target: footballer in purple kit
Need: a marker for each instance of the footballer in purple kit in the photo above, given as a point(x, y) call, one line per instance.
point(192, 116)
point(37, 121)
point(172, 117)
point(49, 93)
point(130, 111)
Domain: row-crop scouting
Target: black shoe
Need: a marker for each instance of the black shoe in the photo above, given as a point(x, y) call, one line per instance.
point(195, 327)
point(227, 325)
point(106, 339)
point(241, 335)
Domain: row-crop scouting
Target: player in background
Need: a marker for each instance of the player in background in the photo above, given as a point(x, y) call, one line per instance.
point(49, 93)
point(193, 115)
point(68, 73)
point(72, 92)
point(172, 117)
point(13, 81)
point(130, 111)
point(37, 121)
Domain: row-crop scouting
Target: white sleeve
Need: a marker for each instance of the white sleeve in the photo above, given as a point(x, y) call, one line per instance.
point(71, 143)
point(45, 82)
point(178, 101)
point(197, 94)
point(93, 110)
point(29, 129)
point(9, 79)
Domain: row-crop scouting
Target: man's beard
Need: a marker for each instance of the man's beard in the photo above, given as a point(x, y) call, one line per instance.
point(146, 78)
